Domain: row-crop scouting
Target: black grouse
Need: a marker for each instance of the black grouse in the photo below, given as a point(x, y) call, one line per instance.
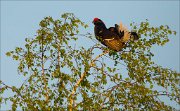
point(114, 37)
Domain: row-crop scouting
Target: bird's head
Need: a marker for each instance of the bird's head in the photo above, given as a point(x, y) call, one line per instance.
point(97, 21)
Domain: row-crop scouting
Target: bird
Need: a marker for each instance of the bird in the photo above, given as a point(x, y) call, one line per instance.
point(115, 37)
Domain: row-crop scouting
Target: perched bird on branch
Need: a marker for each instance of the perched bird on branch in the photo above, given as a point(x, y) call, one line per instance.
point(114, 38)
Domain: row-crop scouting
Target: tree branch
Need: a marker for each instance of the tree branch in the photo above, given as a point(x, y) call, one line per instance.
point(82, 77)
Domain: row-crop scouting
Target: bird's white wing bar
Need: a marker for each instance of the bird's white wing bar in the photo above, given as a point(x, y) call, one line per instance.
point(109, 39)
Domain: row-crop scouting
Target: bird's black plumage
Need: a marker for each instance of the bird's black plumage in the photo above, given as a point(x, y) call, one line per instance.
point(107, 36)
point(115, 30)
point(113, 37)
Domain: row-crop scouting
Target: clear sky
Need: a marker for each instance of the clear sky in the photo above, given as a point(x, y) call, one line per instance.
point(20, 19)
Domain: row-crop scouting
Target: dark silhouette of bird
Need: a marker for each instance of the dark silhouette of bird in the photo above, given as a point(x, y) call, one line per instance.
point(115, 37)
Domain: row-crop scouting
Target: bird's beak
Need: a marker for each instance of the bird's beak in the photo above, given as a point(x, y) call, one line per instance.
point(93, 22)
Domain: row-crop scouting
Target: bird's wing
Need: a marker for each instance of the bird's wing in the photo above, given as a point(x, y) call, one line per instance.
point(112, 29)
point(117, 27)
point(114, 44)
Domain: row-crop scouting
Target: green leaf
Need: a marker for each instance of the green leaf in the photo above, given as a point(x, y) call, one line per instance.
point(127, 79)
point(151, 86)
point(109, 69)
point(8, 53)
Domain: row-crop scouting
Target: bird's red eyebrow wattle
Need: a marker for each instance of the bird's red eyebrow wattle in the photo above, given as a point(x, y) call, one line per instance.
point(96, 19)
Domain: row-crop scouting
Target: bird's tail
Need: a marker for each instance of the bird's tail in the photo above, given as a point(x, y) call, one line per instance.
point(127, 35)
point(124, 29)
point(134, 36)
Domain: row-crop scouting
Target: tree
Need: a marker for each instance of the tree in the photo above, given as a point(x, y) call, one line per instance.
point(61, 76)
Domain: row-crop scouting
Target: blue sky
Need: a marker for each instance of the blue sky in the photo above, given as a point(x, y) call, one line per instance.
point(20, 19)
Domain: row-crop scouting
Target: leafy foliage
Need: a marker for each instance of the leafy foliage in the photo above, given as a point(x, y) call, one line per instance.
point(63, 77)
